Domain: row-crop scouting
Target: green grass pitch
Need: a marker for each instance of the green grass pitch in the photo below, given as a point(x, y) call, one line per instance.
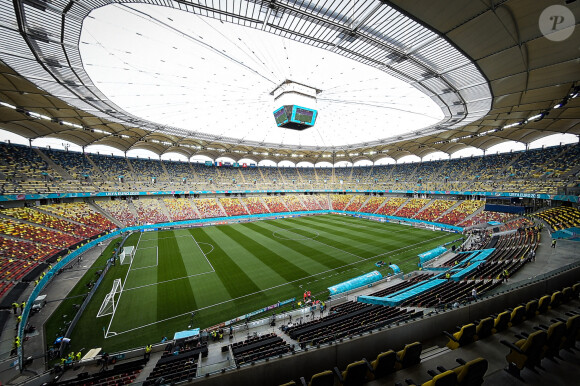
point(222, 272)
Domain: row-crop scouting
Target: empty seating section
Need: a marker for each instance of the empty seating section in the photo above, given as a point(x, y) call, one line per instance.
point(259, 347)
point(293, 203)
point(179, 174)
point(561, 217)
point(145, 170)
point(311, 202)
point(516, 223)
point(177, 364)
point(180, 209)
point(255, 205)
point(81, 213)
point(25, 250)
point(361, 174)
point(411, 207)
point(324, 176)
point(339, 201)
point(307, 175)
point(271, 175)
point(38, 234)
point(346, 319)
point(122, 374)
point(275, 204)
point(22, 170)
point(149, 211)
point(487, 216)
point(461, 212)
point(21, 162)
point(391, 205)
point(120, 210)
point(37, 217)
point(208, 207)
point(372, 204)
point(435, 210)
point(355, 204)
point(289, 175)
point(323, 201)
point(112, 167)
point(252, 176)
point(233, 206)
point(205, 175)
point(76, 164)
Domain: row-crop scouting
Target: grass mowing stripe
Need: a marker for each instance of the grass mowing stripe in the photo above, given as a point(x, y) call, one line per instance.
point(329, 257)
point(382, 239)
point(350, 242)
point(265, 250)
point(370, 228)
point(171, 296)
point(236, 281)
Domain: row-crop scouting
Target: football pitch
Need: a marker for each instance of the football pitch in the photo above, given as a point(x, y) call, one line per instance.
point(222, 272)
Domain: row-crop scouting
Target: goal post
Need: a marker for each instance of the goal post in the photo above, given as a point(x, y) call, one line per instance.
point(110, 302)
point(126, 255)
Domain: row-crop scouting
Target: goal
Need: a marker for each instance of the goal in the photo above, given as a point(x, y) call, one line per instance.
point(126, 255)
point(110, 303)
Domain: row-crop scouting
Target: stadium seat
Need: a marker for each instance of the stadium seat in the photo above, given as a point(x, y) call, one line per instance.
point(325, 378)
point(383, 365)
point(501, 322)
point(531, 309)
point(572, 332)
point(556, 337)
point(517, 316)
point(543, 305)
point(576, 290)
point(472, 372)
point(567, 294)
point(484, 328)
point(556, 299)
point(462, 337)
point(526, 352)
point(446, 378)
point(355, 373)
point(409, 355)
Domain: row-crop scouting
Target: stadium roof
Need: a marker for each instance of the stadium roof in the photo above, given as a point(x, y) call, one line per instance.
point(488, 67)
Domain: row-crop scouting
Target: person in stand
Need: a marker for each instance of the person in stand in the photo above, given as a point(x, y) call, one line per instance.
point(474, 293)
point(505, 275)
point(105, 359)
point(15, 307)
point(18, 320)
point(554, 243)
point(148, 352)
point(78, 356)
point(22, 305)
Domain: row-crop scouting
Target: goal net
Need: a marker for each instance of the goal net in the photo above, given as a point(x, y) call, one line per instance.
point(126, 255)
point(110, 303)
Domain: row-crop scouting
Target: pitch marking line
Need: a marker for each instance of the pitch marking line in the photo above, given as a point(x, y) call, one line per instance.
point(329, 246)
point(122, 289)
point(400, 250)
point(204, 255)
point(156, 260)
point(167, 281)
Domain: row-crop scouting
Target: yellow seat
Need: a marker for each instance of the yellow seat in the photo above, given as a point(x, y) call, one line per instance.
point(462, 337)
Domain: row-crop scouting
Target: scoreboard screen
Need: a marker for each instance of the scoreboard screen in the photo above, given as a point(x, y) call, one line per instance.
point(303, 115)
point(281, 116)
point(295, 117)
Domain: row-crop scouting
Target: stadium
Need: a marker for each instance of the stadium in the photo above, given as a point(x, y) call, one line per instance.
point(283, 192)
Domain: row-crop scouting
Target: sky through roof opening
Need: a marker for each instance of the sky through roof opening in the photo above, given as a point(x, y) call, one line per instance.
point(175, 68)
